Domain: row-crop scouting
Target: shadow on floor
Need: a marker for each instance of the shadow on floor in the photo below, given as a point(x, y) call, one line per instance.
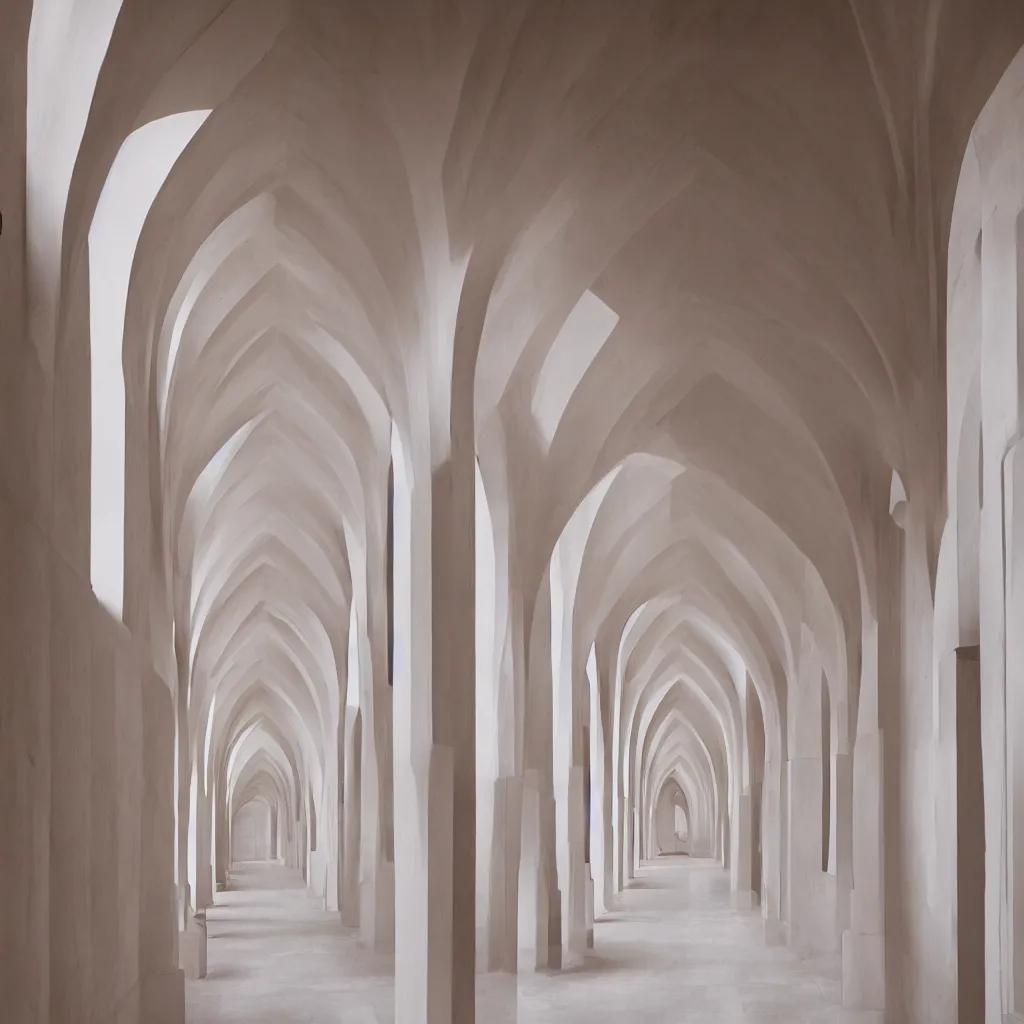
point(674, 951)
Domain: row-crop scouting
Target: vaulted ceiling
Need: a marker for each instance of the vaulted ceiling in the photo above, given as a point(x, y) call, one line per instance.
point(712, 240)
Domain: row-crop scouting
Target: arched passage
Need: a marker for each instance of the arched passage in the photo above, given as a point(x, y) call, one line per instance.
point(431, 437)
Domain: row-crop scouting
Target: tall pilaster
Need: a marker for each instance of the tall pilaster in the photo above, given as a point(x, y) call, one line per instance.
point(162, 983)
point(351, 815)
point(435, 730)
point(864, 943)
point(376, 857)
point(540, 915)
point(502, 811)
point(805, 797)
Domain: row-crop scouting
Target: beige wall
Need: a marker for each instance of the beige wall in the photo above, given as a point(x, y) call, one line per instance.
point(250, 832)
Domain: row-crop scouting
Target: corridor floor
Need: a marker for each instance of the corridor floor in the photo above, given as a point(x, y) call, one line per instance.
point(675, 953)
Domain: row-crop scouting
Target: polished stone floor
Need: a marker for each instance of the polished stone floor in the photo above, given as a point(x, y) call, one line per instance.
point(675, 953)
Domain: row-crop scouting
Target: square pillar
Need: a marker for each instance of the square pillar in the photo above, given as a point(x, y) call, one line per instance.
point(532, 909)
point(192, 946)
point(970, 840)
point(742, 833)
point(863, 948)
point(351, 815)
point(503, 919)
point(435, 737)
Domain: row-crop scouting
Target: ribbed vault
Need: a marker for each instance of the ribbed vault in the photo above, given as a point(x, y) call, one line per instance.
point(654, 295)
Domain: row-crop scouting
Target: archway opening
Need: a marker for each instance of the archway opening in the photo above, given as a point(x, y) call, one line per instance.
point(252, 833)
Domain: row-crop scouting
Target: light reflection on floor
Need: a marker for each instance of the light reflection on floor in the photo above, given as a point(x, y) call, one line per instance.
point(676, 952)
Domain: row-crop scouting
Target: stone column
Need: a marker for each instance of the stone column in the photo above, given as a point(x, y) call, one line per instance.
point(628, 837)
point(191, 936)
point(741, 825)
point(842, 773)
point(192, 944)
point(500, 947)
point(574, 893)
point(805, 796)
point(204, 846)
point(70, 826)
point(28, 568)
point(587, 811)
point(722, 826)
point(1001, 419)
point(288, 828)
point(602, 834)
point(743, 834)
point(635, 840)
point(183, 781)
point(618, 783)
point(773, 838)
point(222, 853)
point(1011, 958)
point(755, 756)
point(162, 983)
point(302, 838)
point(532, 924)
point(376, 857)
point(570, 796)
point(352, 816)
point(435, 728)
point(864, 943)
point(969, 898)
point(540, 914)
point(329, 822)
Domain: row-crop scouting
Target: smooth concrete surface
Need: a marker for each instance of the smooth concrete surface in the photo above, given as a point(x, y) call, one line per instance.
point(674, 952)
point(275, 955)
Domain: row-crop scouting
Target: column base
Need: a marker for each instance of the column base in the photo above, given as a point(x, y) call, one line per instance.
point(863, 971)
point(350, 914)
point(743, 899)
point(163, 998)
point(530, 960)
point(192, 948)
point(377, 911)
